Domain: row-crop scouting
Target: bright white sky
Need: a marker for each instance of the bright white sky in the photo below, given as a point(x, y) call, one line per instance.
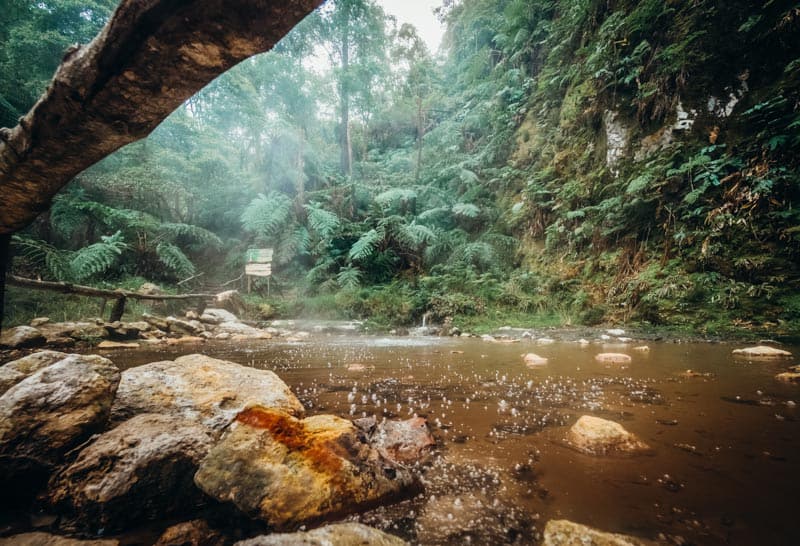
point(420, 14)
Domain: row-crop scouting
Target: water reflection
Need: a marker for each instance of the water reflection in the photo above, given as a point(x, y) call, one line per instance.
point(725, 436)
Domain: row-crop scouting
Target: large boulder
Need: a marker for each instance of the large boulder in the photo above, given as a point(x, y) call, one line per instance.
point(20, 337)
point(52, 411)
point(287, 471)
point(231, 300)
point(761, 351)
point(613, 358)
point(340, 534)
point(562, 532)
point(240, 329)
point(200, 388)
point(215, 316)
point(143, 468)
point(597, 436)
point(187, 327)
point(46, 539)
point(15, 371)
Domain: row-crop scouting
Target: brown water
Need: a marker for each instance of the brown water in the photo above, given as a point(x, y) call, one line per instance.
point(726, 458)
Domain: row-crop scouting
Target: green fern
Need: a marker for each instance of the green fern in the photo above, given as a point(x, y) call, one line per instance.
point(53, 260)
point(467, 210)
point(174, 258)
point(349, 277)
point(414, 236)
point(266, 215)
point(98, 257)
point(366, 245)
point(321, 221)
point(194, 233)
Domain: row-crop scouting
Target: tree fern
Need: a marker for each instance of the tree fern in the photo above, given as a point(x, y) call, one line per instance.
point(98, 257)
point(174, 258)
point(366, 245)
point(53, 260)
point(466, 210)
point(349, 277)
point(414, 236)
point(266, 215)
point(191, 232)
point(321, 221)
point(291, 244)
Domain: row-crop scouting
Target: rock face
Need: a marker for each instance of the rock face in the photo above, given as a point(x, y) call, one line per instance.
point(403, 441)
point(46, 539)
point(287, 471)
point(232, 301)
point(340, 534)
point(13, 372)
point(562, 532)
point(21, 336)
point(597, 436)
point(143, 468)
point(200, 388)
point(55, 409)
point(613, 358)
point(762, 351)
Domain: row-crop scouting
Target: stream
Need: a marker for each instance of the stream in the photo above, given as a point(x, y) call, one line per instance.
point(726, 441)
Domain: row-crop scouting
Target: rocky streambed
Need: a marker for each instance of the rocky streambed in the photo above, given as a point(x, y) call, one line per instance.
point(327, 438)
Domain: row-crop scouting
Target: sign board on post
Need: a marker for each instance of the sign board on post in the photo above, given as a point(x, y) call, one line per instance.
point(258, 270)
point(259, 255)
point(259, 264)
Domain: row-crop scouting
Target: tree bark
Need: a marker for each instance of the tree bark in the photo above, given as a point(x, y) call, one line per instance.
point(5, 263)
point(345, 142)
point(69, 288)
point(150, 57)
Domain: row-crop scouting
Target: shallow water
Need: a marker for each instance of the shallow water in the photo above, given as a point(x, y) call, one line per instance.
point(726, 449)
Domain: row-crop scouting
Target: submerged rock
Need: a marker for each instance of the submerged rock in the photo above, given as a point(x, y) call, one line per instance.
point(532, 359)
point(613, 358)
point(597, 436)
point(201, 388)
point(287, 471)
point(53, 410)
point(761, 351)
point(143, 468)
point(473, 518)
point(117, 345)
point(404, 442)
point(562, 532)
point(15, 371)
point(20, 337)
point(788, 377)
point(339, 534)
point(46, 539)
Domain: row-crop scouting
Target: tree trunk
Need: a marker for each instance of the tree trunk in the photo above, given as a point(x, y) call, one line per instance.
point(345, 142)
point(420, 131)
point(5, 263)
point(150, 57)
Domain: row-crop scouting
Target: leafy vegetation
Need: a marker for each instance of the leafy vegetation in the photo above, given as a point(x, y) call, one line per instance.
point(558, 162)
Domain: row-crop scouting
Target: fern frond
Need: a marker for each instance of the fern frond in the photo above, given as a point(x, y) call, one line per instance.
point(466, 210)
point(366, 245)
point(291, 245)
point(415, 236)
point(192, 232)
point(349, 277)
point(323, 222)
point(266, 215)
point(54, 261)
point(174, 258)
point(98, 257)
point(396, 197)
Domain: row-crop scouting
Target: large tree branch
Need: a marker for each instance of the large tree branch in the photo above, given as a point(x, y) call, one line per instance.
point(149, 58)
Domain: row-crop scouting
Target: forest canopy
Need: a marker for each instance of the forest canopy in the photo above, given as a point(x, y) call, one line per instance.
point(576, 162)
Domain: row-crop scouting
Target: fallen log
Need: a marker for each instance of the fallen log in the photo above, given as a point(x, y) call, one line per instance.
point(119, 296)
point(150, 57)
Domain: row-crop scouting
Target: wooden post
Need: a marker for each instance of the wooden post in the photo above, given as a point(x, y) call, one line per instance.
point(118, 310)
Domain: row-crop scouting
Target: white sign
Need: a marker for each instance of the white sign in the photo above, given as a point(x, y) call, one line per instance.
point(259, 255)
point(258, 270)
